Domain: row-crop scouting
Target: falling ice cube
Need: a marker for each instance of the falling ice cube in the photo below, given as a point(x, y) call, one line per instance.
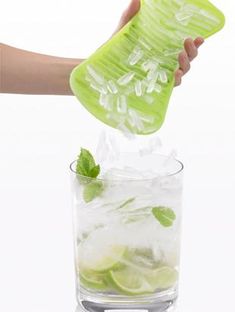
point(94, 74)
point(138, 88)
point(124, 80)
point(126, 131)
point(122, 104)
point(135, 120)
point(112, 88)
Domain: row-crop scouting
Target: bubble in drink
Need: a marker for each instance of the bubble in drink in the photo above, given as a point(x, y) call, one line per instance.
point(124, 80)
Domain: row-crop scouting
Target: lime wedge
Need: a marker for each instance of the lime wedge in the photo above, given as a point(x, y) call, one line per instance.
point(162, 278)
point(100, 252)
point(92, 280)
point(130, 282)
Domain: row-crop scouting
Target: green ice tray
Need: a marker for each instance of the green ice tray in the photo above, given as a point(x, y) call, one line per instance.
point(127, 83)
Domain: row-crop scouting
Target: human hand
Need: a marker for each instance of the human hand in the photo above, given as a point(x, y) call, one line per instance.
point(185, 57)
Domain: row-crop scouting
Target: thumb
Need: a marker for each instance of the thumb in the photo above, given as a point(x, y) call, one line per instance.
point(129, 13)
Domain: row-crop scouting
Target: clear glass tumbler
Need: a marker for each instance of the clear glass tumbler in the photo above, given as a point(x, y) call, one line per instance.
point(127, 236)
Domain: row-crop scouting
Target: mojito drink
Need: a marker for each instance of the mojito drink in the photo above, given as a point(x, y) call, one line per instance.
point(127, 236)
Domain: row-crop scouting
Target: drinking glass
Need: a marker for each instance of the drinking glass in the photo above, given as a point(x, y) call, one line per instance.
point(127, 235)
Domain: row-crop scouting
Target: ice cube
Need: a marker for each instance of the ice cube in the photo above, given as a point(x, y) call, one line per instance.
point(135, 120)
point(126, 131)
point(122, 104)
point(102, 149)
point(158, 88)
point(106, 101)
point(138, 88)
point(135, 56)
point(95, 75)
point(112, 88)
point(151, 86)
point(100, 88)
point(148, 99)
point(149, 65)
point(153, 145)
point(153, 74)
point(163, 76)
point(124, 80)
point(147, 119)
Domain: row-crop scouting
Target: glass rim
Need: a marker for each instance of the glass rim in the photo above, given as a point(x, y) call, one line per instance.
point(175, 173)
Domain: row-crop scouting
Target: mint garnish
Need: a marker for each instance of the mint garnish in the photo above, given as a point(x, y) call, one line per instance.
point(165, 216)
point(86, 167)
point(92, 190)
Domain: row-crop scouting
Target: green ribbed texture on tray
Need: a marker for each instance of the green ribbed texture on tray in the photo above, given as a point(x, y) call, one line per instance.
point(128, 82)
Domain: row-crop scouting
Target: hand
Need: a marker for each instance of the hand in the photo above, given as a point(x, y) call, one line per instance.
point(185, 57)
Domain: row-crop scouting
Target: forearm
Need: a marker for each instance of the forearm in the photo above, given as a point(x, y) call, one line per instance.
point(26, 72)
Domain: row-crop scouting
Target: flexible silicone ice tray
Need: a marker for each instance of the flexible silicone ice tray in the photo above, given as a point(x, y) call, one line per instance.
point(127, 83)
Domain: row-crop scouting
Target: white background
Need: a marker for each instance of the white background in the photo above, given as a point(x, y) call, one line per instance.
point(40, 135)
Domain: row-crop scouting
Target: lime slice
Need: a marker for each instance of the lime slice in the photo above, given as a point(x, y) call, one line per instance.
point(130, 282)
point(92, 280)
point(162, 278)
point(100, 251)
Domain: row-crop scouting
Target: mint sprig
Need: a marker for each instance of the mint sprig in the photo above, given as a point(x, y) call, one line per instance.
point(86, 167)
point(165, 216)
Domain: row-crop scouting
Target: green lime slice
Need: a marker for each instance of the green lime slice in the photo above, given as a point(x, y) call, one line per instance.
point(162, 278)
point(100, 252)
point(92, 280)
point(130, 282)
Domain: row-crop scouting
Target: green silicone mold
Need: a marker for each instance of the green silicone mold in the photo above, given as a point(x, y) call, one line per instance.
point(127, 83)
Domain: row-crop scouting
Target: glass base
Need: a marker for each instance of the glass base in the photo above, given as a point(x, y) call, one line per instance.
point(162, 302)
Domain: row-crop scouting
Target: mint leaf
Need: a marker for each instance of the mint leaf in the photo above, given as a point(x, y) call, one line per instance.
point(92, 190)
point(165, 216)
point(86, 165)
point(95, 171)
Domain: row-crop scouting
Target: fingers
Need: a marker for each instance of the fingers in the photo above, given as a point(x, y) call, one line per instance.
point(184, 62)
point(198, 42)
point(178, 77)
point(190, 49)
point(130, 12)
point(185, 57)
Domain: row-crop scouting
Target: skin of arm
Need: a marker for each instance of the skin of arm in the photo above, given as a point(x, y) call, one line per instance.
point(25, 72)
